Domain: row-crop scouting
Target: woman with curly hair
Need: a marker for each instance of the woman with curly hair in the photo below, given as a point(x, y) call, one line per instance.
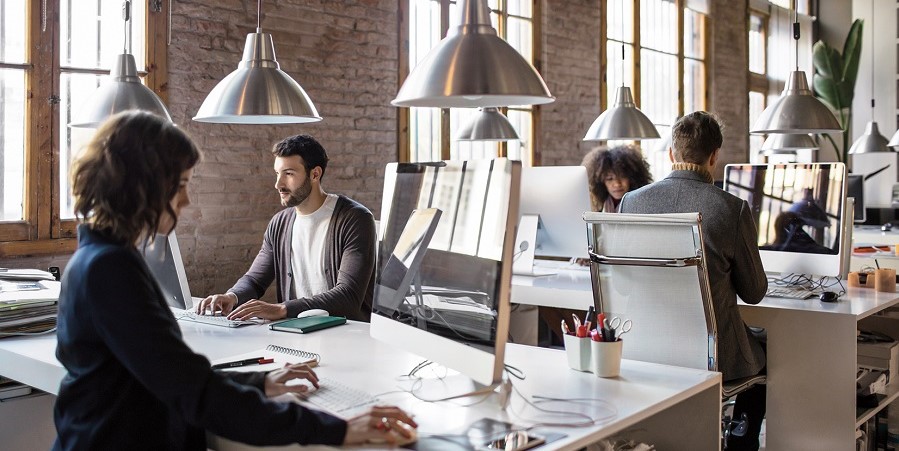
point(613, 172)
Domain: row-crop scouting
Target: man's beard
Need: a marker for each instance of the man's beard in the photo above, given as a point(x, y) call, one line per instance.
point(298, 195)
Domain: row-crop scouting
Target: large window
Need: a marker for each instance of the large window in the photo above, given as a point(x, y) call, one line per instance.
point(658, 49)
point(758, 81)
point(426, 133)
point(53, 55)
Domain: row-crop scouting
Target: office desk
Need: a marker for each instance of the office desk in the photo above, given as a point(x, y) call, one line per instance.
point(652, 399)
point(812, 362)
point(570, 287)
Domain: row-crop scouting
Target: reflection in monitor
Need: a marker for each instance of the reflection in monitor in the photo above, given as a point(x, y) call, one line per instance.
point(454, 307)
point(559, 195)
point(855, 188)
point(163, 257)
point(799, 211)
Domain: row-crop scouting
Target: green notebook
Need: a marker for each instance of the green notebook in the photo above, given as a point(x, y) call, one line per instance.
point(308, 324)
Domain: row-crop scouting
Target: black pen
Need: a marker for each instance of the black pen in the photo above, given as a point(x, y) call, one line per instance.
point(245, 362)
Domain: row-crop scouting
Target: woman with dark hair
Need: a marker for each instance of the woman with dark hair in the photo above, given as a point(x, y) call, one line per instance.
point(131, 380)
point(613, 172)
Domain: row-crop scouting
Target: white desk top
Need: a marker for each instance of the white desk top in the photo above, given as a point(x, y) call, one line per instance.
point(858, 302)
point(354, 358)
point(570, 287)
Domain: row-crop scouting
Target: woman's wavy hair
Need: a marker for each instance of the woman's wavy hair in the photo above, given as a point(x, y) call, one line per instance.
point(624, 161)
point(127, 175)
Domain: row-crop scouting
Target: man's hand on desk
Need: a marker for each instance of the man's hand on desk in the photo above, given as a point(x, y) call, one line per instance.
point(275, 380)
point(382, 424)
point(217, 303)
point(259, 309)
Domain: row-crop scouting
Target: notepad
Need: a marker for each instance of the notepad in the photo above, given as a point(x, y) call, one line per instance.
point(308, 324)
point(279, 354)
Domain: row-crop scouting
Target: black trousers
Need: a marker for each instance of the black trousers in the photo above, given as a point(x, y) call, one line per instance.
point(751, 402)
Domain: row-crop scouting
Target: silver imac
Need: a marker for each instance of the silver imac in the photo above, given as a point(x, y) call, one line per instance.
point(163, 257)
point(559, 196)
point(453, 308)
point(800, 211)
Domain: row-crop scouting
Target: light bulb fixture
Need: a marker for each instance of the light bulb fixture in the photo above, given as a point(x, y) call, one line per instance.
point(787, 143)
point(122, 90)
point(871, 141)
point(797, 110)
point(622, 122)
point(258, 92)
point(473, 67)
point(488, 125)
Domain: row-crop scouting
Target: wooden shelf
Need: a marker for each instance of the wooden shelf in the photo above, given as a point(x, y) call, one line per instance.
point(891, 395)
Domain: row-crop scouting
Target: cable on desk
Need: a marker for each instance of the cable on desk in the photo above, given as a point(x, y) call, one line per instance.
point(587, 419)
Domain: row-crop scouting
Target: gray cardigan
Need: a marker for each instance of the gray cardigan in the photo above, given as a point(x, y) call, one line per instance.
point(732, 257)
point(349, 256)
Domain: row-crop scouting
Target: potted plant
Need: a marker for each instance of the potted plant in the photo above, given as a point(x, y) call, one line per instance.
point(834, 80)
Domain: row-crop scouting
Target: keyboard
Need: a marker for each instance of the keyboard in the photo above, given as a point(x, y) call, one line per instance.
point(790, 292)
point(338, 398)
point(210, 319)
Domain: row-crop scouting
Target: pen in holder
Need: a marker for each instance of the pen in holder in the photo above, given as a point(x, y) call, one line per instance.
point(606, 361)
point(578, 352)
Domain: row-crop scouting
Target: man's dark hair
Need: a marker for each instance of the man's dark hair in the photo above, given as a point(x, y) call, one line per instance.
point(307, 148)
point(695, 137)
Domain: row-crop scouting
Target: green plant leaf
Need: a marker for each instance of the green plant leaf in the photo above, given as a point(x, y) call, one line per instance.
point(828, 90)
point(852, 50)
point(826, 60)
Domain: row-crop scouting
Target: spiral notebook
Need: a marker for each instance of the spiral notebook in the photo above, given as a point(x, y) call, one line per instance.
point(278, 354)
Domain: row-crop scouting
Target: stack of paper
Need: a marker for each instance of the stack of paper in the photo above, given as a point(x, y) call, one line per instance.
point(28, 309)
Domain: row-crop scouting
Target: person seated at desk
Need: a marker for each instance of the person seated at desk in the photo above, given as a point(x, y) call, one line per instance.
point(613, 172)
point(320, 253)
point(731, 253)
point(132, 382)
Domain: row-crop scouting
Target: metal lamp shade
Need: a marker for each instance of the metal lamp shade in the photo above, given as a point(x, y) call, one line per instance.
point(622, 121)
point(122, 91)
point(473, 67)
point(894, 141)
point(796, 111)
point(787, 143)
point(488, 125)
point(872, 141)
point(258, 92)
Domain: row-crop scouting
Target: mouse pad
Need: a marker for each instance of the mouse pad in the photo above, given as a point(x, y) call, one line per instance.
point(475, 437)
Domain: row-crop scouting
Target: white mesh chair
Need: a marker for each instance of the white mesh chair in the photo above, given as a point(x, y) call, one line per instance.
point(650, 269)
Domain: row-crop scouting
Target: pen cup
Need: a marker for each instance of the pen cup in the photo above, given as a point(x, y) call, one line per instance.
point(885, 280)
point(578, 351)
point(606, 358)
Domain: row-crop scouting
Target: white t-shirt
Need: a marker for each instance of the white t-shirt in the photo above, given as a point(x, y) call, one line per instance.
point(307, 249)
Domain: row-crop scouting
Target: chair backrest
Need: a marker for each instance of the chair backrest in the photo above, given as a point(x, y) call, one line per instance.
point(649, 269)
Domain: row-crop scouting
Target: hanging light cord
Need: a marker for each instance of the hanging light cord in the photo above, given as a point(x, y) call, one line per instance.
point(258, 16)
point(872, 62)
point(126, 16)
point(795, 32)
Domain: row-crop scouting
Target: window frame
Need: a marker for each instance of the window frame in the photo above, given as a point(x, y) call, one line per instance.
point(41, 230)
point(404, 135)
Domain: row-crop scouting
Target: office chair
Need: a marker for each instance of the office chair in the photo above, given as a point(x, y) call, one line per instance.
point(650, 269)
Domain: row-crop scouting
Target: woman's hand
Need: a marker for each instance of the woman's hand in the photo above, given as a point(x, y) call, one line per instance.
point(275, 381)
point(382, 424)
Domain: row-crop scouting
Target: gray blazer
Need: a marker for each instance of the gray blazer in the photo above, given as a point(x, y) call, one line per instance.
point(349, 264)
point(731, 254)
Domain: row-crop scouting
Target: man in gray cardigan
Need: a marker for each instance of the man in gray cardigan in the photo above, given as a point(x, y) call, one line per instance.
point(731, 253)
point(320, 253)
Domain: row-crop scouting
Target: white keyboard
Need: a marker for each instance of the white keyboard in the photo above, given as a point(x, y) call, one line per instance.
point(338, 398)
point(210, 319)
point(790, 292)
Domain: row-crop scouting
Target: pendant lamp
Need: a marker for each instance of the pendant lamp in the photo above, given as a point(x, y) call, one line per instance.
point(122, 91)
point(473, 67)
point(488, 125)
point(787, 143)
point(797, 110)
point(894, 141)
point(871, 141)
point(258, 92)
point(622, 121)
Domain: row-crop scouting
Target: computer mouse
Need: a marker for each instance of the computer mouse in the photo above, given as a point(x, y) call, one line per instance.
point(400, 440)
point(829, 296)
point(887, 227)
point(313, 312)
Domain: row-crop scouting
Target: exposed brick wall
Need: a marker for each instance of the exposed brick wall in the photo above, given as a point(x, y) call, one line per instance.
point(570, 57)
point(729, 78)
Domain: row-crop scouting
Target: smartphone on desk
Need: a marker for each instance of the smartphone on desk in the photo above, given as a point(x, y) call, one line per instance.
point(515, 440)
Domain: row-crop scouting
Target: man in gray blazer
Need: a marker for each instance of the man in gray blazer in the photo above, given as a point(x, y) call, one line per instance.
point(731, 252)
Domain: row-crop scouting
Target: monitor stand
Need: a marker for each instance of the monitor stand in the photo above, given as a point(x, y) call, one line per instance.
point(525, 248)
point(458, 386)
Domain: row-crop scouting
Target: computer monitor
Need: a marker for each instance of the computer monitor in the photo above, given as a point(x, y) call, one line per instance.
point(855, 188)
point(799, 210)
point(556, 197)
point(455, 311)
point(163, 257)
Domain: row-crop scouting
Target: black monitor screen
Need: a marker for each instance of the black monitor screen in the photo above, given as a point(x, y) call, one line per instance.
point(855, 188)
